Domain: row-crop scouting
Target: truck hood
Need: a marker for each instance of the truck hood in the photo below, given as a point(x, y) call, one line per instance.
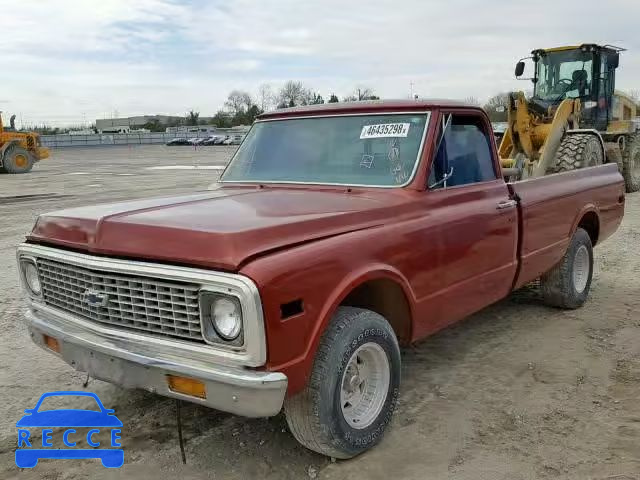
point(221, 229)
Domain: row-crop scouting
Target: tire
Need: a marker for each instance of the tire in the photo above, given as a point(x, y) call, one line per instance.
point(567, 285)
point(578, 150)
point(323, 417)
point(631, 163)
point(17, 160)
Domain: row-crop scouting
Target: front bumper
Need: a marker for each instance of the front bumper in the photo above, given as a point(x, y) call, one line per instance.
point(230, 388)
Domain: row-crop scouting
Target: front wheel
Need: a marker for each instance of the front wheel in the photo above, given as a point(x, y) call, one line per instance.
point(17, 160)
point(578, 150)
point(353, 389)
point(567, 285)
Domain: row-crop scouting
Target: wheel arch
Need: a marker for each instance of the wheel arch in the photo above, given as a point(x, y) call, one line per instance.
point(352, 290)
point(588, 219)
point(385, 296)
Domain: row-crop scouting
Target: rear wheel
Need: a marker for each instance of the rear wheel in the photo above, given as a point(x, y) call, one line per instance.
point(352, 392)
point(631, 163)
point(17, 160)
point(578, 150)
point(567, 285)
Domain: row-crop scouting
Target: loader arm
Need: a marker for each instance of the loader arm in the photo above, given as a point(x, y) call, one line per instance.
point(531, 140)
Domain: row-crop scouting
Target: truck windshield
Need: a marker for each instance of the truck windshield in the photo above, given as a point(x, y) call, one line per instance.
point(564, 74)
point(366, 150)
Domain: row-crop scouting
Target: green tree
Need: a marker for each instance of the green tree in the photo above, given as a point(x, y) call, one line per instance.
point(333, 98)
point(192, 118)
point(154, 126)
point(316, 99)
point(222, 119)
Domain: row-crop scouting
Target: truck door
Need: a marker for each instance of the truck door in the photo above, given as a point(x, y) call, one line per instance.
point(474, 221)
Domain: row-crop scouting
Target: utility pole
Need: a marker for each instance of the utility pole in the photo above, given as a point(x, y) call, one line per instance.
point(411, 89)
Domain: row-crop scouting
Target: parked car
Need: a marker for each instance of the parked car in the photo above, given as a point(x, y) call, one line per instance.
point(237, 139)
point(213, 140)
point(374, 226)
point(227, 140)
point(178, 141)
point(196, 141)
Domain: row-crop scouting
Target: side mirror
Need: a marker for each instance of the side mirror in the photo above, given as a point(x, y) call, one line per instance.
point(615, 60)
point(519, 69)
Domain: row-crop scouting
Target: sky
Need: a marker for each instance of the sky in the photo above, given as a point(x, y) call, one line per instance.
point(70, 62)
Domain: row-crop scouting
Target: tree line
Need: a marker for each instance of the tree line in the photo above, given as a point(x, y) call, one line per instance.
point(242, 108)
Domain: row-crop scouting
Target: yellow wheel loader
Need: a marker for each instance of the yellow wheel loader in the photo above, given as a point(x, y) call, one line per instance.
point(19, 150)
point(575, 117)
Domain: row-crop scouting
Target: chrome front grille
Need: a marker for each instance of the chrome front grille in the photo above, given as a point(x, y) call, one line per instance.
point(159, 307)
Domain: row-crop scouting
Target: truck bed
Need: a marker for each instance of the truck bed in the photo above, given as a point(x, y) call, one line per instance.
point(551, 207)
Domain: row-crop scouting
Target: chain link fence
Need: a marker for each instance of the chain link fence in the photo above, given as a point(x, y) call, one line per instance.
point(146, 138)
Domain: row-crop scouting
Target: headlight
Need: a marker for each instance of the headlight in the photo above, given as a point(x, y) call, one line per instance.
point(227, 317)
point(221, 317)
point(31, 277)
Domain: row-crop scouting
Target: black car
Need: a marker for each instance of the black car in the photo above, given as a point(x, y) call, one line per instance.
point(178, 141)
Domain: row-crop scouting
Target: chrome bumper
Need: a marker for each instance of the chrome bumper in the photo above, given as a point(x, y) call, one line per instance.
point(231, 389)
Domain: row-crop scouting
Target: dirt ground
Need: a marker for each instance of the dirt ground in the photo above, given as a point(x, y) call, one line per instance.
point(518, 391)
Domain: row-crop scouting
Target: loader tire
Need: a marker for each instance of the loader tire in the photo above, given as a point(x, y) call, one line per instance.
point(17, 160)
point(631, 163)
point(567, 284)
point(578, 150)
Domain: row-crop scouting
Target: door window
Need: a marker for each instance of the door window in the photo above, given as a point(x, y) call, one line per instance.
point(464, 154)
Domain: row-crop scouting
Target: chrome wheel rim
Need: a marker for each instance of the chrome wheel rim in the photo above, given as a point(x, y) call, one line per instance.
point(364, 385)
point(581, 267)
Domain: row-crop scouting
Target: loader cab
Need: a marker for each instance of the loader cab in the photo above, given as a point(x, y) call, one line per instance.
point(586, 72)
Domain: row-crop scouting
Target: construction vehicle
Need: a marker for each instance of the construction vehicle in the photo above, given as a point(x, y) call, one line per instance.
point(575, 117)
point(19, 150)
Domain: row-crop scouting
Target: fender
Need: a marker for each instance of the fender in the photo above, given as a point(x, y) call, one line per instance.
point(303, 363)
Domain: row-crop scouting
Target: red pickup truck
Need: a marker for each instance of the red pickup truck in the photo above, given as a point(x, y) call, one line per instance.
point(337, 233)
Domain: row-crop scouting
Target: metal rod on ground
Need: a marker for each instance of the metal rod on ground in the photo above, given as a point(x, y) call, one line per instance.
point(180, 440)
point(86, 381)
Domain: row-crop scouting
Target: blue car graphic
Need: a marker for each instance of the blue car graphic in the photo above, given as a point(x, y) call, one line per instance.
point(27, 456)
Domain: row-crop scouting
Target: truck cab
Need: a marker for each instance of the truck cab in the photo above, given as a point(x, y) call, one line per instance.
point(586, 72)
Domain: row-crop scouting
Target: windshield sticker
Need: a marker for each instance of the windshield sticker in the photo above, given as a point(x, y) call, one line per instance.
point(385, 130)
point(366, 161)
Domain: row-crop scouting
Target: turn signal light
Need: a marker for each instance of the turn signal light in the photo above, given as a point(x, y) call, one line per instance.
point(51, 343)
point(186, 386)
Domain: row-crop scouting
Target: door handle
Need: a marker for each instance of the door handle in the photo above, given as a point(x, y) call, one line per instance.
point(506, 204)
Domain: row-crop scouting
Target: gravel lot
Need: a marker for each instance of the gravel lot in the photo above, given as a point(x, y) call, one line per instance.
point(518, 391)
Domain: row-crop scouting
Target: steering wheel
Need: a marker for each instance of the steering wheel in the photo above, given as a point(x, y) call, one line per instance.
point(562, 87)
